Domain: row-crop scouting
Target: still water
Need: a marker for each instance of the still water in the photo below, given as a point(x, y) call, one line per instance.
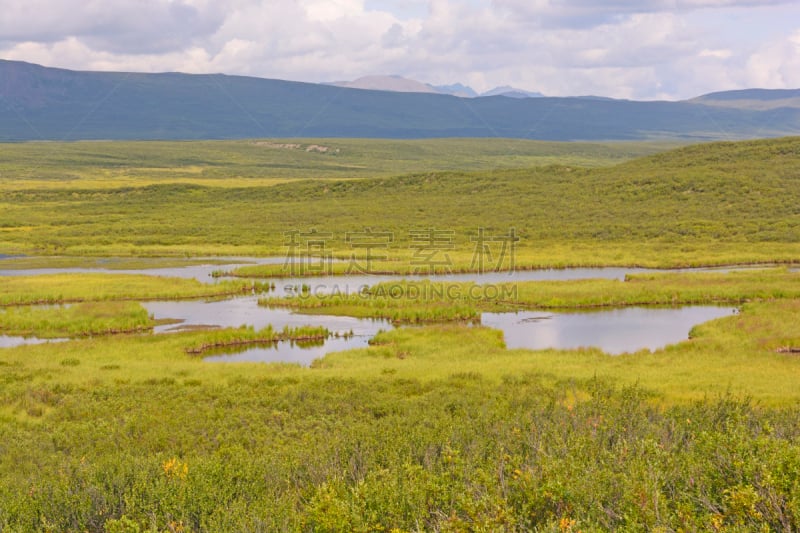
point(246, 312)
point(200, 272)
point(614, 331)
point(7, 341)
point(327, 284)
point(353, 284)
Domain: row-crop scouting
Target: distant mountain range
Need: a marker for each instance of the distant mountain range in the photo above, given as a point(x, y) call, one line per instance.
point(761, 99)
point(404, 85)
point(396, 84)
point(40, 103)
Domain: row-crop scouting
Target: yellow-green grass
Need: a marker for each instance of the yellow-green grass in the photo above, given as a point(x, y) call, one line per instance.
point(531, 256)
point(440, 425)
point(435, 428)
point(247, 335)
point(83, 319)
point(62, 288)
point(543, 255)
point(720, 203)
point(737, 354)
point(740, 352)
point(426, 301)
point(108, 263)
point(126, 359)
point(113, 180)
point(661, 289)
point(106, 165)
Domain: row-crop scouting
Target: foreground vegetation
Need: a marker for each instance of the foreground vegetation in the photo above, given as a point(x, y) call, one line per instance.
point(435, 428)
point(432, 428)
point(456, 454)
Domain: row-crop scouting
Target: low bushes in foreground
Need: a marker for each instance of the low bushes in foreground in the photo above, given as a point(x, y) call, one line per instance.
point(457, 454)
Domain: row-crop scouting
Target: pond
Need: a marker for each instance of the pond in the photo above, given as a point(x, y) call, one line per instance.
point(287, 352)
point(612, 330)
point(326, 285)
point(615, 331)
point(200, 272)
point(246, 312)
point(7, 341)
point(351, 284)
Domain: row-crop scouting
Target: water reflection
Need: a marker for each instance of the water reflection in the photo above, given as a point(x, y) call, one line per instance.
point(7, 341)
point(614, 331)
point(200, 272)
point(352, 283)
point(246, 312)
point(288, 352)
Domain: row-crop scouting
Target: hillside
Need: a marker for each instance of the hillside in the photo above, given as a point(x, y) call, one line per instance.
point(234, 163)
point(726, 202)
point(387, 83)
point(759, 99)
point(38, 103)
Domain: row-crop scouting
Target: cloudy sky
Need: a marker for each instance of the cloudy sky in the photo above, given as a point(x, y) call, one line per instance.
point(641, 49)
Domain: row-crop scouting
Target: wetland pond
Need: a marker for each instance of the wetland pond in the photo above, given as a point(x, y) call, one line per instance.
point(9, 341)
point(614, 331)
point(245, 311)
point(327, 284)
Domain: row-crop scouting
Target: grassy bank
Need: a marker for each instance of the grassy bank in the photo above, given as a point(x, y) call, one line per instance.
point(426, 301)
point(245, 336)
point(737, 354)
point(65, 288)
point(79, 320)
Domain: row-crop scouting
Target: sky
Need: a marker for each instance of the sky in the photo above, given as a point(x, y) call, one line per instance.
point(644, 50)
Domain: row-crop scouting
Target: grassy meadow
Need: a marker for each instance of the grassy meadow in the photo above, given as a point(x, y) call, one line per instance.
point(432, 427)
point(236, 164)
point(426, 301)
point(678, 208)
point(68, 288)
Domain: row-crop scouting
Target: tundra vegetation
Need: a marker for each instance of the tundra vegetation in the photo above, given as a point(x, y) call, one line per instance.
point(437, 427)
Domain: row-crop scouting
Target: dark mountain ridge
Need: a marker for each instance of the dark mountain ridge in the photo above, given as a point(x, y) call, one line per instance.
point(40, 103)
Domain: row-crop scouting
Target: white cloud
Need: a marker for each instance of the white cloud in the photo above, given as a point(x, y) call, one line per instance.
point(719, 54)
point(776, 65)
point(330, 10)
point(620, 48)
point(118, 26)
